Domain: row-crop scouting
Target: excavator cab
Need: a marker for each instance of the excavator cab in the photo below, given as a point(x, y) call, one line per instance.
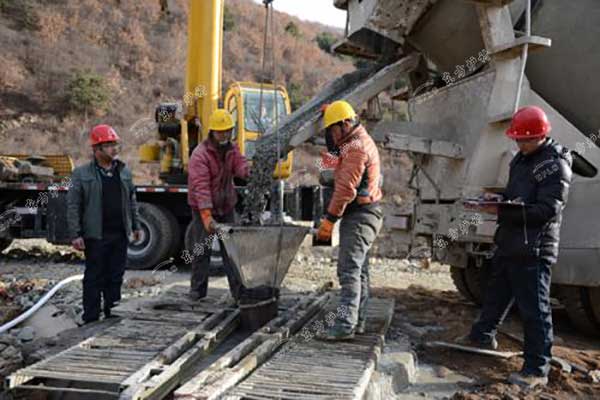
point(256, 111)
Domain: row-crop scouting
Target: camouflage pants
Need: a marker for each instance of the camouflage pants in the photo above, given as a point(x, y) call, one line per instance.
point(358, 231)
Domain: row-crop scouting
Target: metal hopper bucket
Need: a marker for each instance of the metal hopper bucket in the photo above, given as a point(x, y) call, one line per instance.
point(261, 256)
point(254, 252)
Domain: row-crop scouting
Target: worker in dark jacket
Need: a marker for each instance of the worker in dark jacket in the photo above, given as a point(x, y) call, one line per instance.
point(527, 240)
point(102, 215)
point(355, 201)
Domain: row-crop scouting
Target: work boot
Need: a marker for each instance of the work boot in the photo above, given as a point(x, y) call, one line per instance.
point(108, 315)
point(338, 332)
point(468, 341)
point(81, 322)
point(528, 381)
point(195, 295)
point(361, 327)
point(108, 310)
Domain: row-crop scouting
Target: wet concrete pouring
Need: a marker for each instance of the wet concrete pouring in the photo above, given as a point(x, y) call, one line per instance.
point(427, 308)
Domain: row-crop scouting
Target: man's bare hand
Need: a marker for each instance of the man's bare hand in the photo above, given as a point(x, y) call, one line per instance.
point(491, 196)
point(78, 244)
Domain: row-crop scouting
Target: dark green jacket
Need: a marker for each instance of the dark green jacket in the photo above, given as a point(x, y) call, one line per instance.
point(84, 201)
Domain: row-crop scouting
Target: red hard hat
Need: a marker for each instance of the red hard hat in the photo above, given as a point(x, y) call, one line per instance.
point(103, 134)
point(529, 123)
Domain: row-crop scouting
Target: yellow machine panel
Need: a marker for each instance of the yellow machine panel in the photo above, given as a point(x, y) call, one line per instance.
point(256, 108)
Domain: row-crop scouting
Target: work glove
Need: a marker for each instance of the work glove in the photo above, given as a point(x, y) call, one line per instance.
point(207, 220)
point(325, 230)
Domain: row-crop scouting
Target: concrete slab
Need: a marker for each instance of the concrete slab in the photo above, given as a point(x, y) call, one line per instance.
point(396, 370)
point(434, 382)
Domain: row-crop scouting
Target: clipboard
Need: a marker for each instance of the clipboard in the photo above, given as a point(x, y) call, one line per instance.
point(484, 203)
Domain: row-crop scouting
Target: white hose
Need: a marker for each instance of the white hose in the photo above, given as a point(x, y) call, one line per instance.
point(39, 304)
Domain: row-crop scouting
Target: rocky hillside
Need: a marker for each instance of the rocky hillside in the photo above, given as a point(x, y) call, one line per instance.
point(66, 65)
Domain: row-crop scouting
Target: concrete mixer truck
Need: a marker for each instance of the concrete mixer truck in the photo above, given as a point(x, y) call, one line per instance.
point(480, 60)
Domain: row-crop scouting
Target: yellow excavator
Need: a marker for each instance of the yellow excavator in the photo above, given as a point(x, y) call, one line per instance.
point(256, 107)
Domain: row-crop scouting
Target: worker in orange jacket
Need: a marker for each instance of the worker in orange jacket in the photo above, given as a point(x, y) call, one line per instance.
point(355, 201)
point(212, 198)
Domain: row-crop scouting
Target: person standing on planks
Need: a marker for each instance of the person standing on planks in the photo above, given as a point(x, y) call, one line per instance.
point(212, 197)
point(102, 214)
point(355, 201)
point(526, 241)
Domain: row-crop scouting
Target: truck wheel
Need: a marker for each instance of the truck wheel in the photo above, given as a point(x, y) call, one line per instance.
point(175, 228)
point(460, 281)
point(4, 243)
point(216, 260)
point(583, 307)
point(160, 234)
point(471, 280)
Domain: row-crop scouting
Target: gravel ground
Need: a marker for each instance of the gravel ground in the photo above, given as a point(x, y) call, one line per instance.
point(427, 308)
point(314, 265)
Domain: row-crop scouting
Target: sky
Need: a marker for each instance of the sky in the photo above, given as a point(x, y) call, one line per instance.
point(321, 11)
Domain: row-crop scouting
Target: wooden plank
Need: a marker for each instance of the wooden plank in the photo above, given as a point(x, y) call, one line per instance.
point(292, 373)
point(76, 371)
point(23, 376)
point(111, 353)
point(361, 387)
point(89, 371)
point(281, 394)
point(314, 385)
point(95, 361)
point(251, 352)
point(171, 353)
point(232, 377)
point(76, 377)
point(45, 388)
point(165, 377)
point(295, 314)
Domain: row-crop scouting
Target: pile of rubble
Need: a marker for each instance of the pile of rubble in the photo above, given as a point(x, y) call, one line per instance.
point(17, 295)
point(40, 250)
point(11, 357)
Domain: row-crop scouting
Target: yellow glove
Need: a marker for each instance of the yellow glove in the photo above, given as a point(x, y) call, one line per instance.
point(325, 229)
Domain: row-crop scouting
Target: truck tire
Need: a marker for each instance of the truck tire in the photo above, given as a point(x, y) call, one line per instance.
point(582, 307)
point(460, 281)
point(471, 281)
point(4, 243)
point(160, 237)
point(473, 278)
point(216, 261)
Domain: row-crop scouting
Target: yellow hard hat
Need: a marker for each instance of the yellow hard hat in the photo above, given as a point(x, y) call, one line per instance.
point(220, 120)
point(338, 111)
